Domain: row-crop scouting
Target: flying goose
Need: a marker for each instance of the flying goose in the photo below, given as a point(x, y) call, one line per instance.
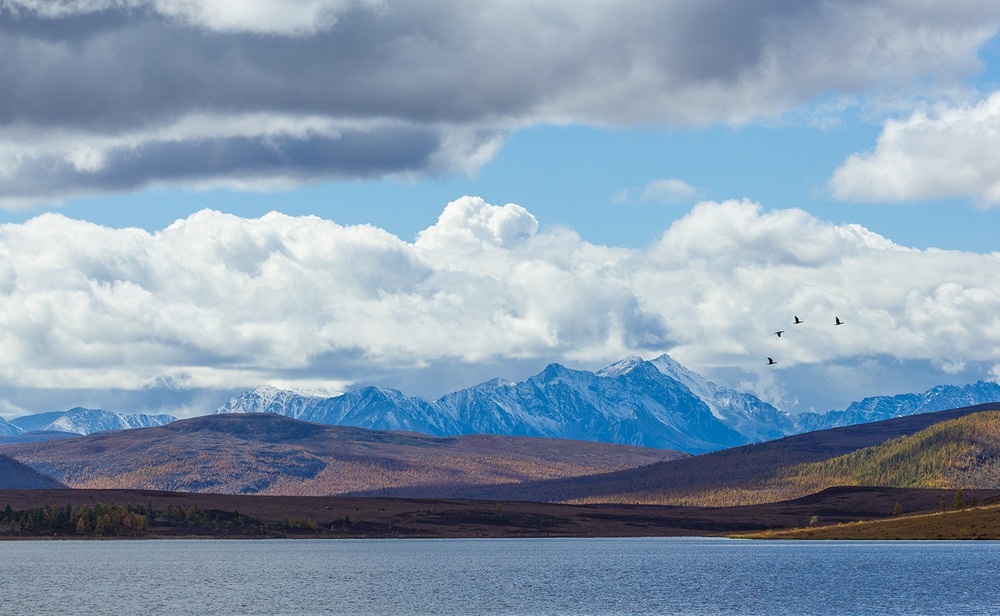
point(770, 362)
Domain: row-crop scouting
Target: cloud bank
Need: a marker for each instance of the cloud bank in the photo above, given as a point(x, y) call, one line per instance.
point(216, 301)
point(115, 95)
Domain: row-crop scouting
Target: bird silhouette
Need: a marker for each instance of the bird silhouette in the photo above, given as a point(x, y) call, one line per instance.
point(838, 321)
point(797, 321)
point(779, 332)
point(770, 362)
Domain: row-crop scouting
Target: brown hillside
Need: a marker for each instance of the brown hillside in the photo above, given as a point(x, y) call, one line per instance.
point(960, 453)
point(17, 476)
point(271, 454)
point(737, 476)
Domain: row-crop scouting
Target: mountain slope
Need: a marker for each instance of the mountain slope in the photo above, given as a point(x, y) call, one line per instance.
point(747, 414)
point(8, 429)
point(961, 453)
point(270, 454)
point(737, 476)
point(877, 408)
point(17, 476)
point(88, 421)
point(267, 399)
point(636, 405)
point(380, 408)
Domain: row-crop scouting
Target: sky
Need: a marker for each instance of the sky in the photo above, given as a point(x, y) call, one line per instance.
point(201, 196)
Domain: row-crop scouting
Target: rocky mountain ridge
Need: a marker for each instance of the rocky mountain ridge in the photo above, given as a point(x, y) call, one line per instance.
point(656, 403)
point(83, 421)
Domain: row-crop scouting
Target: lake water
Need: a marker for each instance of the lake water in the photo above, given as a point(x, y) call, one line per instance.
point(499, 576)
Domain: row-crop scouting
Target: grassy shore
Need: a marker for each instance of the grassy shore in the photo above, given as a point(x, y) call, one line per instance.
point(982, 523)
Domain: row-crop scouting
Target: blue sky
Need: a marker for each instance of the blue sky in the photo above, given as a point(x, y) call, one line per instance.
point(683, 178)
point(571, 175)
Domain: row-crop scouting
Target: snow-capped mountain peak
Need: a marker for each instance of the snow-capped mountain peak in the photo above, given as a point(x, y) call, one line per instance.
point(270, 399)
point(621, 367)
point(8, 429)
point(656, 403)
point(84, 421)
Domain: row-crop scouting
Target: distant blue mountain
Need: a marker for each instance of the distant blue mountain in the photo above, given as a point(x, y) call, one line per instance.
point(633, 402)
point(657, 403)
point(940, 398)
point(88, 421)
point(8, 429)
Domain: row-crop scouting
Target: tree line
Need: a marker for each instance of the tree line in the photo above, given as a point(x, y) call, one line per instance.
point(98, 520)
point(102, 520)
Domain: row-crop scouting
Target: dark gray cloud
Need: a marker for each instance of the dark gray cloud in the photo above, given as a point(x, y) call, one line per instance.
point(100, 96)
point(250, 159)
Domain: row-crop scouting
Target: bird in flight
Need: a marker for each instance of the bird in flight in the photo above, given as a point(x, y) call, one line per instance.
point(779, 332)
point(838, 321)
point(770, 362)
point(797, 320)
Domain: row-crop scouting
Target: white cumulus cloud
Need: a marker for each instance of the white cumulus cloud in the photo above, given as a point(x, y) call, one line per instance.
point(943, 153)
point(218, 301)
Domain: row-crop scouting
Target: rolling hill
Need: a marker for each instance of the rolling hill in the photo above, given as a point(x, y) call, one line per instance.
point(961, 453)
point(271, 454)
point(17, 476)
point(745, 475)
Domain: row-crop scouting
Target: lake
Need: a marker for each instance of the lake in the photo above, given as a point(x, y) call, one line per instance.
point(499, 576)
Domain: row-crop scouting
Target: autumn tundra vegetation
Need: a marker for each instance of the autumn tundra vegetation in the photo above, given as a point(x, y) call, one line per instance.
point(934, 463)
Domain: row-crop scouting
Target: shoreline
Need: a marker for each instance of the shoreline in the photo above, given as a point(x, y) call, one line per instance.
point(191, 515)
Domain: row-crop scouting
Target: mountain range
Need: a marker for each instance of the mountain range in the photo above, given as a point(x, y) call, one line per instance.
point(957, 449)
point(81, 421)
point(657, 403)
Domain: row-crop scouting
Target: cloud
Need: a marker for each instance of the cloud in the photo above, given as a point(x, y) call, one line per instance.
point(115, 95)
point(669, 191)
point(271, 17)
point(219, 302)
point(475, 223)
point(947, 153)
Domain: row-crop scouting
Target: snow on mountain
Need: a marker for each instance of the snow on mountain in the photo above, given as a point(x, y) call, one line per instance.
point(380, 408)
point(877, 408)
point(747, 414)
point(657, 403)
point(633, 405)
point(8, 429)
point(88, 421)
point(267, 399)
point(375, 408)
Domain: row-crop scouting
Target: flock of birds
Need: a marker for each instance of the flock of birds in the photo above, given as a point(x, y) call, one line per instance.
point(798, 321)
